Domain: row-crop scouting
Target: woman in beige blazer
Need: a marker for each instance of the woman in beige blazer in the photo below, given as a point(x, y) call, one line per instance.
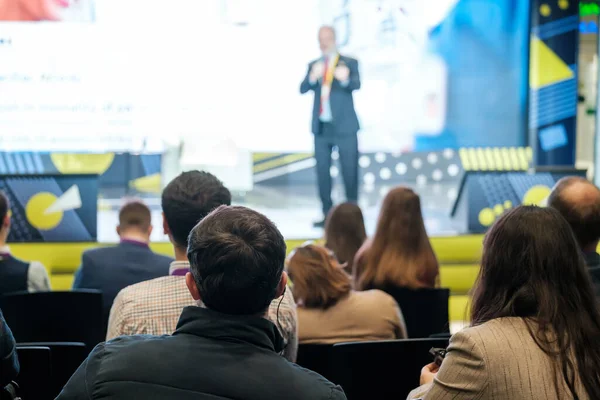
point(329, 311)
point(535, 324)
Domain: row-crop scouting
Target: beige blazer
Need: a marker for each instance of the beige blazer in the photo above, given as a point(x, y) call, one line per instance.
point(360, 316)
point(496, 360)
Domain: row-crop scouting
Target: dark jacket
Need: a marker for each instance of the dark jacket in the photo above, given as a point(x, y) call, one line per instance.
point(344, 116)
point(9, 363)
point(593, 263)
point(13, 274)
point(210, 356)
point(110, 269)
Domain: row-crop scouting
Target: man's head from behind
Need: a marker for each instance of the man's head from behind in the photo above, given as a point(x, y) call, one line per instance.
point(578, 200)
point(187, 199)
point(4, 216)
point(236, 260)
point(135, 221)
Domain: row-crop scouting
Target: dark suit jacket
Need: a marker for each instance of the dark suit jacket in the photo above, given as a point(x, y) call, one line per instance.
point(344, 116)
point(111, 269)
point(9, 363)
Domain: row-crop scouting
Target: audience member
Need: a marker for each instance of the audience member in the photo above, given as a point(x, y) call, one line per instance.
point(111, 269)
point(578, 200)
point(153, 307)
point(9, 363)
point(17, 275)
point(329, 311)
point(400, 254)
point(535, 324)
point(345, 233)
point(227, 349)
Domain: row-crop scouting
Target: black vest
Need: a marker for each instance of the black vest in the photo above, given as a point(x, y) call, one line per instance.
point(13, 275)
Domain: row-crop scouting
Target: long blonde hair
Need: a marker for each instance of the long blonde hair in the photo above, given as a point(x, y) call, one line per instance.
point(400, 253)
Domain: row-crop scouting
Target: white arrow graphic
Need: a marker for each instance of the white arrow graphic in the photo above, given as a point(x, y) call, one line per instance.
point(70, 200)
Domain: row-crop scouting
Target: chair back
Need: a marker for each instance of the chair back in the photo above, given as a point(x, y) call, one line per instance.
point(382, 370)
point(425, 311)
point(34, 378)
point(55, 316)
point(316, 357)
point(66, 357)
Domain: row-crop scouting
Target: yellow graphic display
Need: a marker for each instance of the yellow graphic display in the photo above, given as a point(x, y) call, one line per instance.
point(147, 184)
point(71, 163)
point(545, 67)
point(37, 214)
point(536, 195)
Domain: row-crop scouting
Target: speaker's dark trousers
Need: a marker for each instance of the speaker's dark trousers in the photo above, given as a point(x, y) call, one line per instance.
point(347, 144)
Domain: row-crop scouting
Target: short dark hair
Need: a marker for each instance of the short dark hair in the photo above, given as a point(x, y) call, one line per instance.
point(583, 213)
point(4, 207)
point(189, 198)
point(236, 257)
point(135, 214)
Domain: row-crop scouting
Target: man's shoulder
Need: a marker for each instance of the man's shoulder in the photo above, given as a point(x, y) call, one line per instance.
point(161, 259)
point(100, 252)
point(314, 384)
point(348, 60)
point(155, 287)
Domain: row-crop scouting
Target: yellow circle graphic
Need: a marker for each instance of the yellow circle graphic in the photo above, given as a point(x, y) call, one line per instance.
point(498, 209)
point(508, 204)
point(563, 4)
point(35, 210)
point(545, 10)
point(487, 217)
point(72, 163)
point(536, 195)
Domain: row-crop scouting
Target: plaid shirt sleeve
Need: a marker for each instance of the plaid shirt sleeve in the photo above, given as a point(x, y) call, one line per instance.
point(115, 320)
point(286, 320)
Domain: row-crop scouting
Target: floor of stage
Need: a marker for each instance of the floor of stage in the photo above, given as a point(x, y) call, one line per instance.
point(294, 208)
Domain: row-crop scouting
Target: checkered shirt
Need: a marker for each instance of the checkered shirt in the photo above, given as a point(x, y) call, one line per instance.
point(153, 307)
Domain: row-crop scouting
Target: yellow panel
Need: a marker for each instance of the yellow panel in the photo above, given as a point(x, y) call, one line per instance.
point(73, 163)
point(483, 165)
point(62, 282)
point(498, 161)
point(459, 308)
point(506, 158)
point(458, 249)
point(475, 166)
point(458, 278)
point(257, 157)
point(545, 67)
point(280, 162)
point(147, 184)
point(464, 159)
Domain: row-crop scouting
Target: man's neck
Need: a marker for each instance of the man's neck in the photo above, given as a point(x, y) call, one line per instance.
point(180, 253)
point(135, 237)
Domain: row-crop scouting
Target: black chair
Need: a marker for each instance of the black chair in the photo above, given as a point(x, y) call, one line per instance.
point(381, 370)
point(65, 359)
point(316, 357)
point(425, 311)
point(55, 316)
point(34, 378)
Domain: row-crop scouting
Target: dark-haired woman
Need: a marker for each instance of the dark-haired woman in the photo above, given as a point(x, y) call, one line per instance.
point(345, 233)
point(535, 322)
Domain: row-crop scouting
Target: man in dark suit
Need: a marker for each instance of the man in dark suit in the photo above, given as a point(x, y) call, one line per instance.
point(111, 269)
point(578, 200)
point(333, 78)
